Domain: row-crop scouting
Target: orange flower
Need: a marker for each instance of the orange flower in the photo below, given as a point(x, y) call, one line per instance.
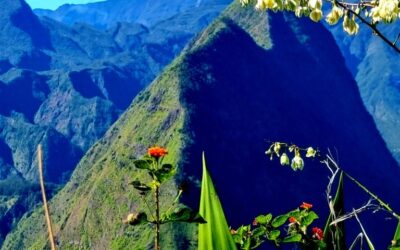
point(318, 233)
point(157, 152)
point(306, 205)
point(292, 220)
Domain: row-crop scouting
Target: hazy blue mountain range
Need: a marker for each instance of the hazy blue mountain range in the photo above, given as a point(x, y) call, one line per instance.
point(228, 94)
point(104, 15)
point(376, 68)
point(63, 86)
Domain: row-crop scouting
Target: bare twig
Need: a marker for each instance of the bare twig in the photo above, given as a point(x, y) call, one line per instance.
point(45, 204)
point(371, 246)
point(347, 216)
point(359, 237)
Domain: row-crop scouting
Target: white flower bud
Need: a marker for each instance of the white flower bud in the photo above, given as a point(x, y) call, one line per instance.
point(333, 17)
point(297, 163)
point(285, 159)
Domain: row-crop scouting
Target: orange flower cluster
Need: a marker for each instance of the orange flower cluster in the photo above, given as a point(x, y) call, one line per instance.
point(318, 233)
point(157, 152)
point(292, 220)
point(306, 205)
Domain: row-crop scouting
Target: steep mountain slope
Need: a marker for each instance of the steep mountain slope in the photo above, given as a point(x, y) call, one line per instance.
point(63, 86)
point(376, 68)
point(229, 93)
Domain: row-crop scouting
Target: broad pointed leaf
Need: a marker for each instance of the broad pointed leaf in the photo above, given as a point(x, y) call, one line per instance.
point(143, 163)
point(215, 233)
point(165, 172)
point(140, 186)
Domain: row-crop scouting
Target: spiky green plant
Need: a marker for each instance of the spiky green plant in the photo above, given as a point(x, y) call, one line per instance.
point(215, 233)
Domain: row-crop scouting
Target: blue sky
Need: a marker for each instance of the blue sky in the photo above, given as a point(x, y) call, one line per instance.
point(54, 4)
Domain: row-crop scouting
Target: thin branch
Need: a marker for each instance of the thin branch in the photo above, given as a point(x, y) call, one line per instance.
point(358, 238)
point(381, 203)
point(347, 216)
point(371, 246)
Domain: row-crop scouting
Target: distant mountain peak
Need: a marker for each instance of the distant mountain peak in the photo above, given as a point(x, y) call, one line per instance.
point(18, 20)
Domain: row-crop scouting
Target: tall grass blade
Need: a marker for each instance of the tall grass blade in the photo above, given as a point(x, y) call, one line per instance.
point(334, 235)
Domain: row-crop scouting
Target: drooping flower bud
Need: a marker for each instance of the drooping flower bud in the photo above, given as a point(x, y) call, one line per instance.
point(277, 148)
point(333, 17)
point(349, 25)
point(311, 152)
point(297, 163)
point(284, 159)
point(316, 15)
point(315, 4)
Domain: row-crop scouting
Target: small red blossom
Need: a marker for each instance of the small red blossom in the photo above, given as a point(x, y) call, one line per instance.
point(318, 233)
point(292, 220)
point(157, 152)
point(306, 205)
point(255, 223)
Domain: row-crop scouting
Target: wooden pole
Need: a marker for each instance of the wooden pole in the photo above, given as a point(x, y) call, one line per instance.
point(45, 205)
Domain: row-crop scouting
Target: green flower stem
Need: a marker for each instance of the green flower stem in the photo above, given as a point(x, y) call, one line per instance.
point(157, 199)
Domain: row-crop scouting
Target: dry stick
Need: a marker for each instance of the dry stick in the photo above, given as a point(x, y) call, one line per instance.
point(45, 205)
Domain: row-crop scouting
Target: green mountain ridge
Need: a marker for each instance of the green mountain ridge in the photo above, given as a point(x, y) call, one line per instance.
point(228, 93)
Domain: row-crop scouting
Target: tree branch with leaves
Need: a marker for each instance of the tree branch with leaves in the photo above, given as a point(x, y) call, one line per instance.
point(370, 12)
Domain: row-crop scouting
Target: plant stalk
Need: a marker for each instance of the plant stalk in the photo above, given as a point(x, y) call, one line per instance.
point(157, 239)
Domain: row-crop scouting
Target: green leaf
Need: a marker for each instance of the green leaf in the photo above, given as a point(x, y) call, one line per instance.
point(336, 232)
point(264, 219)
point(309, 218)
point(295, 213)
point(247, 244)
point(165, 172)
point(274, 234)
point(258, 232)
point(183, 214)
point(143, 163)
point(138, 219)
point(215, 233)
point(279, 220)
point(140, 186)
point(292, 238)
